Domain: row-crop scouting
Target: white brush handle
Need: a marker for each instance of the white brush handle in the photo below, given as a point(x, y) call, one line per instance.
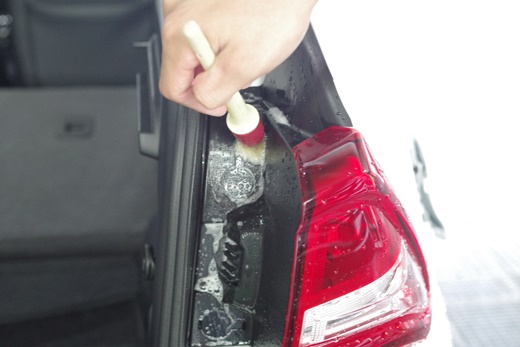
point(199, 44)
point(242, 118)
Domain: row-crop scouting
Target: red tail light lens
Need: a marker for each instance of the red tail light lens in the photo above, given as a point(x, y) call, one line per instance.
point(359, 277)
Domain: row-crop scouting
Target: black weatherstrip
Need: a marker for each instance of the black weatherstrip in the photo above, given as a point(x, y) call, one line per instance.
point(183, 146)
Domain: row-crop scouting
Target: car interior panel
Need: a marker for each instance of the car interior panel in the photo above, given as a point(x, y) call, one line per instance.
point(78, 200)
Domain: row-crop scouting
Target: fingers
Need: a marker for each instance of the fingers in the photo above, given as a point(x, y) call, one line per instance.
point(183, 80)
point(179, 67)
point(177, 86)
point(188, 99)
point(177, 91)
point(176, 75)
point(229, 73)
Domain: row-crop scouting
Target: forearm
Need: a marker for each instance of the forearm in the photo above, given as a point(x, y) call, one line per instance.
point(304, 5)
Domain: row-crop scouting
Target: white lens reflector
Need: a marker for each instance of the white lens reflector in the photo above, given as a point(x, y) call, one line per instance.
point(402, 290)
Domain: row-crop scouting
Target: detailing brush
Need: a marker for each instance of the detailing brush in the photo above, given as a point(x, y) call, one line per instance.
point(243, 119)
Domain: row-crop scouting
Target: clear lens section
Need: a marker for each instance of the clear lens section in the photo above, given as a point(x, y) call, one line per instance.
point(399, 292)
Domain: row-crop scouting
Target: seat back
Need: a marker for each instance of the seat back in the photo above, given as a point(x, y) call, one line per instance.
point(81, 42)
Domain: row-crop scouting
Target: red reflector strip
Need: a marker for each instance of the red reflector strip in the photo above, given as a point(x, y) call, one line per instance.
point(351, 243)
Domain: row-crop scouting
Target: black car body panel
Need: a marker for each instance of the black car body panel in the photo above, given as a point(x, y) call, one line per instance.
point(195, 152)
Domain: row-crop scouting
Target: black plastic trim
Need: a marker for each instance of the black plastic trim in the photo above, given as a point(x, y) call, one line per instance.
point(150, 101)
point(303, 89)
point(181, 177)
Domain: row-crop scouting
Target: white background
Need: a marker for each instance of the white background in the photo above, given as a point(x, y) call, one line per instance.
point(447, 72)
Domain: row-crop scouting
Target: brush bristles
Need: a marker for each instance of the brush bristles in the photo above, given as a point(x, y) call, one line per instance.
point(253, 154)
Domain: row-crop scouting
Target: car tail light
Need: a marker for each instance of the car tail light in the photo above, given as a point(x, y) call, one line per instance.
point(359, 277)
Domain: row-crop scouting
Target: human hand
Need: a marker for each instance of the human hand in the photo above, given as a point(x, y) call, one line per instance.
point(249, 37)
